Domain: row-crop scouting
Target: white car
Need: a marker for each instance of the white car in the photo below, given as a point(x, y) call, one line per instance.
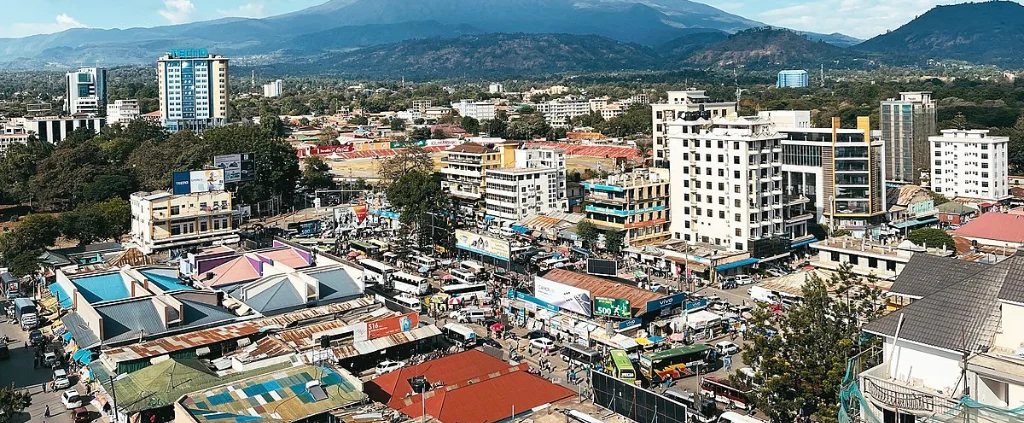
point(60, 379)
point(776, 272)
point(71, 399)
point(540, 343)
point(744, 280)
point(727, 348)
point(388, 366)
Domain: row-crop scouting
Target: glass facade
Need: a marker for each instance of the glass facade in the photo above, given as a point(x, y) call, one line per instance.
point(801, 155)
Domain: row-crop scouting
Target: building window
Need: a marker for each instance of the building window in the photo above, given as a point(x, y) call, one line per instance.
point(890, 265)
point(739, 246)
point(175, 210)
point(834, 256)
point(737, 218)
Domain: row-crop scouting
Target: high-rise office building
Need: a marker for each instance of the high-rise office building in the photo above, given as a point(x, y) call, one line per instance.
point(678, 104)
point(273, 89)
point(792, 79)
point(906, 125)
point(193, 88)
point(86, 91)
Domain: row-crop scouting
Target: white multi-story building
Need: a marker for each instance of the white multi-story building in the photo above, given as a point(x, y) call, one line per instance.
point(86, 91)
point(726, 178)
point(273, 89)
point(514, 193)
point(479, 110)
point(971, 164)
point(193, 88)
point(10, 135)
point(680, 103)
point(496, 88)
point(560, 111)
point(788, 118)
point(422, 105)
point(162, 221)
point(596, 104)
point(54, 129)
point(123, 111)
point(550, 158)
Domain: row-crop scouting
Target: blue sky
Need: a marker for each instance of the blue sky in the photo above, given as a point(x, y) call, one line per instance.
point(860, 18)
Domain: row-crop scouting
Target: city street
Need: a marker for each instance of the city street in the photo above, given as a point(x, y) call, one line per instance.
point(18, 370)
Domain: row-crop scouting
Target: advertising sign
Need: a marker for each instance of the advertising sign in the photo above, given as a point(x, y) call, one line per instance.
point(237, 167)
point(602, 267)
point(564, 296)
point(666, 302)
point(198, 181)
point(529, 299)
point(392, 325)
point(612, 307)
point(482, 244)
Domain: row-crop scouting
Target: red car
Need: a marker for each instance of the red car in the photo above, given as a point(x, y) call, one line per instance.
point(80, 415)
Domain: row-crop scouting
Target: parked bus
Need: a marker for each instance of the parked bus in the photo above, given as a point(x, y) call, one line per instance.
point(423, 261)
point(381, 245)
point(375, 272)
point(473, 267)
point(459, 335)
point(463, 276)
point(410, 302)
point(467, 291)
point(620, 367)
point(366, 248)
point(409, 284)
point(705, 412)
point(677, 362)
point(578, 354)
point(726, 393)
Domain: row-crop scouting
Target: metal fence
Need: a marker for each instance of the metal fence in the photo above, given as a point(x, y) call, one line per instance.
point(638, 404)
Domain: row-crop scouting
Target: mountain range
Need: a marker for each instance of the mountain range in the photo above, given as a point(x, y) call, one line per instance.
point(442, 38)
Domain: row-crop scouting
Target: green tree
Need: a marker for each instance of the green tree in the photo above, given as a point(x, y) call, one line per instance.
point(12, 402)
point(528, 127)
point(587, 233)
point(18, 166)
point(613, 241)
point(470, 125)
point(420, 133)
point(274, 161)
point(938, 198)
point(83, 224)
point(804, 364)
point(61, 178)
point(495, 128)
point(397, 124)
point(415, 194)
point(932, 238)
point(411, 158)
point(418, 121)
point(117, 217)
point(271, 124)
point(592, 119)
point(155, 161)
point(438, 134)
point(316, 174)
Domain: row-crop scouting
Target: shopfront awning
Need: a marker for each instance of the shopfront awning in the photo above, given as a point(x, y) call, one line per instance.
point(803, 243)
point(520, 229)
point(82, 356)
point(736, 264)
point(915, 222)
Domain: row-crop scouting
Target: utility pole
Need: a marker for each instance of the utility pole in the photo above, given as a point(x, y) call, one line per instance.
point(113, 392)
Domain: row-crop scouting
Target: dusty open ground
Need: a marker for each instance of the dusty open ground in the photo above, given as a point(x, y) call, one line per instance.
point(367, 168)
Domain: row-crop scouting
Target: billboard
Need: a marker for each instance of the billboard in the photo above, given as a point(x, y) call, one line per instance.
point(564, 296)
point(392, 325)
point(601, 267)
point(482, 244)
point(237, 167)
point(612, 307)
point(665, 302)
point(198, 181)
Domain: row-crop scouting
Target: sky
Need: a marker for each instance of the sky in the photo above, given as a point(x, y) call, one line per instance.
point(859, 18)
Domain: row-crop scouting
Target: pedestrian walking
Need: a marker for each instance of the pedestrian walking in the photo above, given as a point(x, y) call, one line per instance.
point(46, 413)
point(44, 386)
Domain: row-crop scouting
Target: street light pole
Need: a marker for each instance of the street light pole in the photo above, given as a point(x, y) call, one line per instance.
point(113, 391)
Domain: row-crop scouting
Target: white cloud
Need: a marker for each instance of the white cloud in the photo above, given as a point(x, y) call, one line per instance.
point(177, 11)
point(248, 10)
point(859, 18)
point(24, 29)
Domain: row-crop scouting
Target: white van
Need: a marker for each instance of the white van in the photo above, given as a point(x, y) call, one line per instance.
point(507, 232)
point(472, 315)
point(764, 295)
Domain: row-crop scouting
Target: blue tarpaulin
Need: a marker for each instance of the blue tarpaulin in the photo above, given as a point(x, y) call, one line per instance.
point(66, 337)
point(736, 264)
point(520, 229)
point(82, 356)
point(803, 243)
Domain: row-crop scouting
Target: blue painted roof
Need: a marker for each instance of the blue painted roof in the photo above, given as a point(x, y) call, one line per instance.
point(166, 282)
point(336, 285)
point(198, 314)
point(65, 300)
point(99, 288)
point(280, 297)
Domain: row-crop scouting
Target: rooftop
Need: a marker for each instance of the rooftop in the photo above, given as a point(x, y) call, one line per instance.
point(994, 226)
point(600, 287)
point(281, 396)
point(919, 277)
point(393, 387)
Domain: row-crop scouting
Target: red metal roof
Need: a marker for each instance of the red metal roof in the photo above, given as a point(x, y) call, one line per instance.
point(393, 387)
point(490, 399)
point(994, 226)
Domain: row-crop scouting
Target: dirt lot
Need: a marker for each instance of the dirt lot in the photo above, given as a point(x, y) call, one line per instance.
point(367, 168)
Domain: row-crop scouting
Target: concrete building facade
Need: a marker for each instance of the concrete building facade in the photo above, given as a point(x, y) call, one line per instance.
point(635, 203)
point(86, 91)
point(193, 87)
point(123, 111)
point(161, 220)
point(906, 125)
point(678, 104)
point(971, 164)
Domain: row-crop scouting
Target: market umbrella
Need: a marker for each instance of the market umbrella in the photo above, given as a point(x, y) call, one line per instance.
point(497, 327)
point(446, 277)
point(677, 337)
point(423, 269)
point(453, 301)
point(747, 315)
point(353, 254)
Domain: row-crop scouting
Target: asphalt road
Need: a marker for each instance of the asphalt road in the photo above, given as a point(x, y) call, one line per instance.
point(17, 370)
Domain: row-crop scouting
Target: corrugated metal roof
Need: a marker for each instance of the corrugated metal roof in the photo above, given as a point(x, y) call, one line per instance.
point(336, 285)
point(166, 345)
point(130, 319)
point(281, 296)
point(392, 388)
point(600, 287)
point(82, 333)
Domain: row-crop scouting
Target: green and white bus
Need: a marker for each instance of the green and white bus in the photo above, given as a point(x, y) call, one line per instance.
point(620, 367)
point(677, 362)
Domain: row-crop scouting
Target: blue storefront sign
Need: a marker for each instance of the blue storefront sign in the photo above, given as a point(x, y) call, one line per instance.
point(666, 302)
point(693, 305)
point(636, 321)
